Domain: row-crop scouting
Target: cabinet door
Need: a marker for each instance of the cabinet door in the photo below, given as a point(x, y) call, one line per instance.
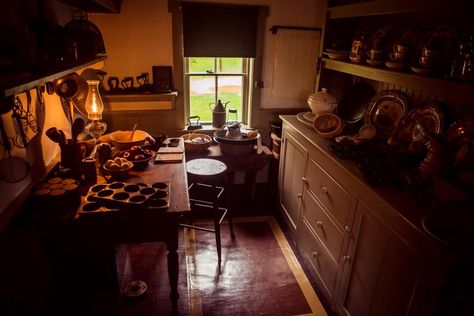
point(292, 168)
point(382, 276)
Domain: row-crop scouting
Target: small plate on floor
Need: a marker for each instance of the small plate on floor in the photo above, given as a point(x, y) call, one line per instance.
point(135, 289)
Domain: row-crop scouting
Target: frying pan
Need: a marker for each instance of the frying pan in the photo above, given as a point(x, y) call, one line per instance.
point(12, 169)
point(72, 88)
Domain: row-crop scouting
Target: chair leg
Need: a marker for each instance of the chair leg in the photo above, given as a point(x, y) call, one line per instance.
point(217, 229)
point(227, 191)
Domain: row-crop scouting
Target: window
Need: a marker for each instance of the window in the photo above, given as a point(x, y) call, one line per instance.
point(209, 79)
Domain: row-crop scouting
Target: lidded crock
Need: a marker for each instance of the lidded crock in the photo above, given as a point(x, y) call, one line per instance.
point(322, 102)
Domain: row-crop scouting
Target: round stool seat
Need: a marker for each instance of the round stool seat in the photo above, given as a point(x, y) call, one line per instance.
point(205, 167)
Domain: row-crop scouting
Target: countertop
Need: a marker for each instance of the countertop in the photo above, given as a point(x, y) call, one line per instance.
point(410, 204)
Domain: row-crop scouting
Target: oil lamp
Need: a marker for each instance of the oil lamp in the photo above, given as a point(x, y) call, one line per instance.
point(94, 108)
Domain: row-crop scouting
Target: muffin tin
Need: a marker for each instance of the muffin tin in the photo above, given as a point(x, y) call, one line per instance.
point(117, 196)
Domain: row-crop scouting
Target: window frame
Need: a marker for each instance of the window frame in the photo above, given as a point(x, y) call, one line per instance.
point(246, 74)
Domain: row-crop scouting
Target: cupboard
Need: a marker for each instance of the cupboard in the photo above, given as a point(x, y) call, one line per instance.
point(365, 245)
point(364, 253)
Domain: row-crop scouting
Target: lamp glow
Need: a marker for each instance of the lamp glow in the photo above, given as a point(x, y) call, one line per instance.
point(94, 108)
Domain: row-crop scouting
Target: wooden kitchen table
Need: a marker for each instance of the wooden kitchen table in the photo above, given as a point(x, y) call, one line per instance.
point(111, 228)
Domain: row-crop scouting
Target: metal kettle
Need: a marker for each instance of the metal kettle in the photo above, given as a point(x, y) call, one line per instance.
point(218, 114)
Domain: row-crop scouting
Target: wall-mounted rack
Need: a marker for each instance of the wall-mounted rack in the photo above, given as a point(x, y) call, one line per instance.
point(26, 81)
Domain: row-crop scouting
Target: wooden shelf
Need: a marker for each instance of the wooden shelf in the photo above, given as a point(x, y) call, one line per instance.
point(30, 81)
point(443, 88)
point(383, 7)
point(140, 97)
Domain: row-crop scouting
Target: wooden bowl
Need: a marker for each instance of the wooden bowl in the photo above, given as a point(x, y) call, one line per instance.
point(196, 142)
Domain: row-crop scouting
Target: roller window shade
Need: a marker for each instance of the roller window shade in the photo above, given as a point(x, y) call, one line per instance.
point(211, 30)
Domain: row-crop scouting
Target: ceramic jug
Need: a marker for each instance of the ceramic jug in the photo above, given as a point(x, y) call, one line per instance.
point(218, 114)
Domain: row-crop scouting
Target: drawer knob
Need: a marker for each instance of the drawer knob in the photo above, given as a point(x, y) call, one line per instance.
point(319, 223)
point(347, 258)
point(305, 180)
point(324, 189)
point(299, 195)
point(315, 254)
point(347, 229)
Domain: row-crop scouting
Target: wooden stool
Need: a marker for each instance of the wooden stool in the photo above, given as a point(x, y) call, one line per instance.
point(208, 180)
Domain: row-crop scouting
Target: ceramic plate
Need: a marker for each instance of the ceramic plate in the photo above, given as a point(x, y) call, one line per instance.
point(386, 110)
point(374, 62)
point(302, 117)
point(309, 116)
point(394, 65)
point(340, 55)
point(425, 120)
point(423, 71)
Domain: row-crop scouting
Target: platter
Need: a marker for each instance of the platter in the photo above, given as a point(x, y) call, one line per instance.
point(386, 110)
point(425, 120)
point(303, 118)
point(423, 71)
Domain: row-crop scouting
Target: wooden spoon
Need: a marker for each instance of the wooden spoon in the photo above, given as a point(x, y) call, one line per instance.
point(54, 135)
point(133, 132)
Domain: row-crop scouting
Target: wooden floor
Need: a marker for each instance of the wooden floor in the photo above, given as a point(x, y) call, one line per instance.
point(259, 274)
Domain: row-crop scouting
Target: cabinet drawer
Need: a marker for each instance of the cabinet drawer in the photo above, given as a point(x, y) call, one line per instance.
point(328, 232)
point(318, 259)
point(337, 201)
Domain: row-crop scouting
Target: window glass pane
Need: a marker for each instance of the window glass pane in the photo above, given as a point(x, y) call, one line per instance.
point(230, 90)
point(201, 64)
point(202, 91)
point(229, 65)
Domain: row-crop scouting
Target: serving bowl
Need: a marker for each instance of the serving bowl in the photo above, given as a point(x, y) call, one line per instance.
point(122, 141)
point(234, 146)
point(196, 142)
point(118, 173)
point(328, 125)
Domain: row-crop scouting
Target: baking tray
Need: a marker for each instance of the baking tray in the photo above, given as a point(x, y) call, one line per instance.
point(121, 196)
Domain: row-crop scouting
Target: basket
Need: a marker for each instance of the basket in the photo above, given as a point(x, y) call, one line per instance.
point(196, 146)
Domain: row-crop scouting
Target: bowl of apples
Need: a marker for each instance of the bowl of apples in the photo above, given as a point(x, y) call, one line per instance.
point(117, 168)
point(139, 156)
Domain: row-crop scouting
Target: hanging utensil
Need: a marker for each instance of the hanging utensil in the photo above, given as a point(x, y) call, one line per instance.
point(21, 125)
point(12, 169)
point(39, 95)
point(30, 118)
